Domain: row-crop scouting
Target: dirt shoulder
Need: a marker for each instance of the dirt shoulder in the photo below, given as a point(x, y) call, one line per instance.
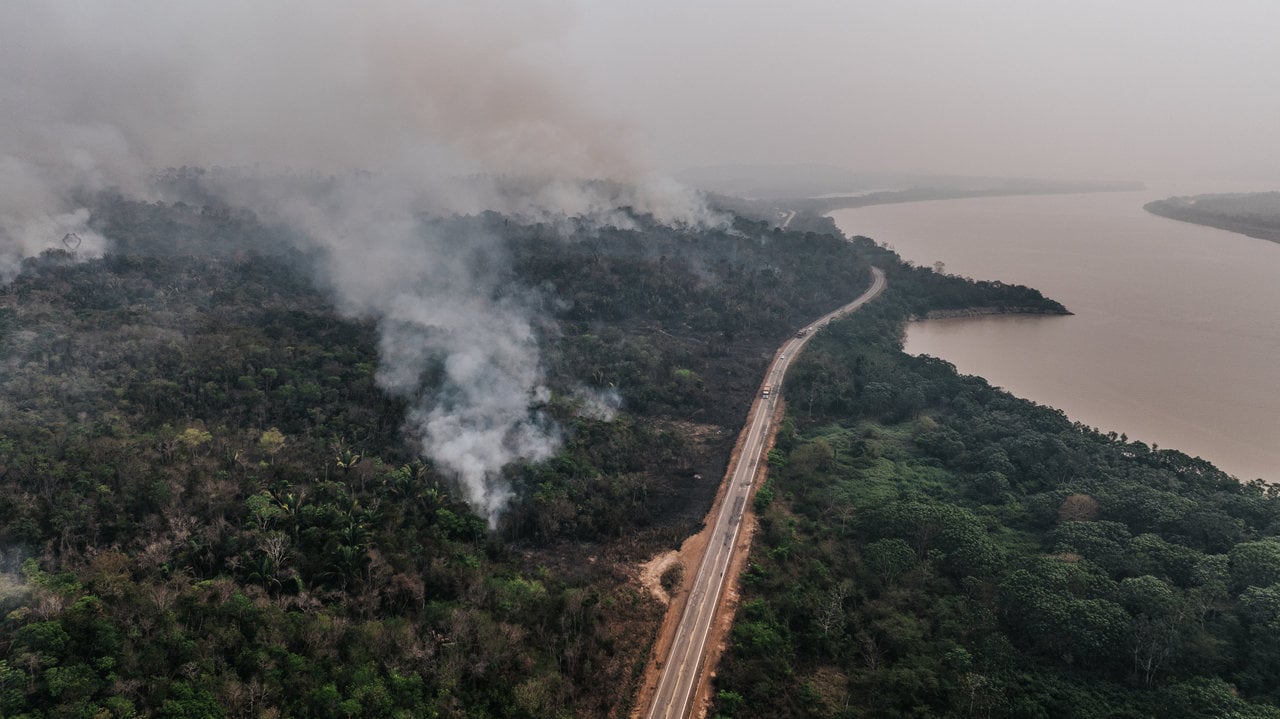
point(690, 556)
point(718, 638)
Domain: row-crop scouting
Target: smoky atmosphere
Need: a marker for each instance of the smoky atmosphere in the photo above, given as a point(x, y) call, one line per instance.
point(427, 358)
point(1156, 91)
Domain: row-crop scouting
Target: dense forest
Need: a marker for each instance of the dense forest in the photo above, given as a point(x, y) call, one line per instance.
point(1256, 214)
point(211, 508)
point(930, 546)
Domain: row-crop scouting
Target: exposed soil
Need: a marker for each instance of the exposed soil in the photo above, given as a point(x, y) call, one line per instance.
point(690, 555)
point(718, 639)
point(728, 607)
point(651, 574)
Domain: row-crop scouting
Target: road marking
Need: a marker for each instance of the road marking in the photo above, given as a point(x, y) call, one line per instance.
point(694, 627)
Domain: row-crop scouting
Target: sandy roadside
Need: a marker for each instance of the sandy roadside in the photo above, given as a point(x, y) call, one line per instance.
point(690, 556)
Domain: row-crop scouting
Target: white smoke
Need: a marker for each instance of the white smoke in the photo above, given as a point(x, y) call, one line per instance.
point(68, 231)
point(604, 204)
point(480, 418)
point(389, 101)
point(433, 288)
point(598, 404)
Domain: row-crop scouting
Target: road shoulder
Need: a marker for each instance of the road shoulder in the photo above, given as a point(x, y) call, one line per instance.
point(727, 607)
point(691, 553)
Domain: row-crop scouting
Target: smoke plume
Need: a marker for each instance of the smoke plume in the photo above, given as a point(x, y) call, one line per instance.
point(390, 101)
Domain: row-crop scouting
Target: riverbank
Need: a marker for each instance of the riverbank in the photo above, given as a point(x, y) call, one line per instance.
point(812, 214)
point(1175, 330)
point(1255, 214)
point(987, 311)
point(913, 513)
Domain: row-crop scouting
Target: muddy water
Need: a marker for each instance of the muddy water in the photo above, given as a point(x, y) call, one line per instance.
point(1175, 339)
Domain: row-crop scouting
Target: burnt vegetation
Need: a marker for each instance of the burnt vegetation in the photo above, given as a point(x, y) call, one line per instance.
point(210, 507)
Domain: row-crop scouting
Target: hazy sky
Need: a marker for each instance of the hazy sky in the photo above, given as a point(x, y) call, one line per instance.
point(1167, 91)
point(97, 94)
point(1158, 90)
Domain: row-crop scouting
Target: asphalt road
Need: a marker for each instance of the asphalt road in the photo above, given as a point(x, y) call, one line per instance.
point(678, 680)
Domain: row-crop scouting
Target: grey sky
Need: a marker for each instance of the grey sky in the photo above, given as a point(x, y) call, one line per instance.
point(1164, 91)
point(1173, 92)
point(97, 94)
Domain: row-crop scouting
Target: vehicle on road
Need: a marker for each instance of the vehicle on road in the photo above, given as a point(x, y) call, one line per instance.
point(681, 670)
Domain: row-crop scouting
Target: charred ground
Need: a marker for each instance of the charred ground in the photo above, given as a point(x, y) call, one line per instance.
point(207, 492)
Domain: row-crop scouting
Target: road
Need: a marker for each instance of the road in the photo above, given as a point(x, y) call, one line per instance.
point(683, 664)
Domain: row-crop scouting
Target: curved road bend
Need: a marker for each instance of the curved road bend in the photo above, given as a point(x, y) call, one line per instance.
point(678, 679)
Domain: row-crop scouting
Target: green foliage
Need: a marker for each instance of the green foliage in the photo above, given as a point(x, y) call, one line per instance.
point(888, 559)
point(1255, 564)
point(764, 497)
point(728, 702)
point(936, 547)
point(221, 516)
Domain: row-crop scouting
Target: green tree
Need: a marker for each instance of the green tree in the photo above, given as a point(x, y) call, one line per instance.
point(1255, 564)
point(889, 559)
point(271, 442)
point(193, 438)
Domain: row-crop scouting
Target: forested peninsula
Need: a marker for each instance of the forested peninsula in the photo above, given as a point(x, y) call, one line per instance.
point(1256, 214)
point(931, 546)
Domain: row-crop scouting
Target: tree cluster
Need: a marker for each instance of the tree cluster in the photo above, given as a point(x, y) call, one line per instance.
point(209, 507)
point(933, 546)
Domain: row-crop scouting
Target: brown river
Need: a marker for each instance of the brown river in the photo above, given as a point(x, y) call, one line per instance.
point(1175, 340)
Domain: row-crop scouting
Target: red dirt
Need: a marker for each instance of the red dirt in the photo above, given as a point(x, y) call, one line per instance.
point(690, 555)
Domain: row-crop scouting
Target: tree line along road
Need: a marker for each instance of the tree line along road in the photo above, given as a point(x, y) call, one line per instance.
point(685, 661)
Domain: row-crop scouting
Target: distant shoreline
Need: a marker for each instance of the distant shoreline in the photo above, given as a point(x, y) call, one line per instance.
point(989, 311)
point(812, 214)
point(1186, 210)
point(823, 205)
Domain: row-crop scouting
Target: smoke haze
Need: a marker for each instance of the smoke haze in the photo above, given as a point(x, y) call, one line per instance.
point(1174, 93)
point(365, 115)
point(96, 94)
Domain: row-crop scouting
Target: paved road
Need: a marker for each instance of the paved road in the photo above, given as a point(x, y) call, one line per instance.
point(673, 698)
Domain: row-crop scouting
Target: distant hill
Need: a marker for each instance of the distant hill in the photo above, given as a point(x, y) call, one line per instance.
point(799, 197)
point(1256, 214)
point(763, 182)
point(772, 181)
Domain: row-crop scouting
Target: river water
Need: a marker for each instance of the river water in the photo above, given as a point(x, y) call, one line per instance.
point(1175, 339)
